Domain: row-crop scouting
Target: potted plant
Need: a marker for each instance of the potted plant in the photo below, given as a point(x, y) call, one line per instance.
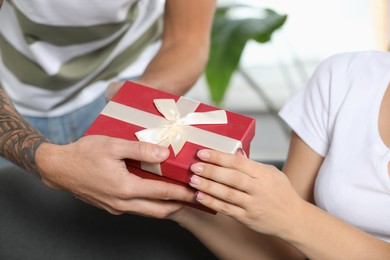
point(228, 40)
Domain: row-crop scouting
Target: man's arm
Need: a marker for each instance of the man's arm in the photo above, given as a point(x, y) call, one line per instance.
point(18, 140)
point(185, 46)
point(92, 168)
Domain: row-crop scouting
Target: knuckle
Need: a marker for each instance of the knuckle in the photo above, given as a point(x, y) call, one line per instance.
point(251, 185)
point(124, 192)
point(215, 156)
point(111, 149)
point(208, 170)
point(239, 162)
point(119, 207)
point(206, 185)
point(250, 219)
point(271, 167)
point(225, 209)
point(164, 193)
point(144, 149)
point(84, 145)
point(230, 195)
point(238, 178)
point(109, 146)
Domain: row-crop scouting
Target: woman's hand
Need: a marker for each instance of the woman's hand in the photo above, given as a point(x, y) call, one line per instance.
point(258, 195)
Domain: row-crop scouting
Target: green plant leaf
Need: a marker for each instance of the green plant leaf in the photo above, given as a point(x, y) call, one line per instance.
point(228, 39)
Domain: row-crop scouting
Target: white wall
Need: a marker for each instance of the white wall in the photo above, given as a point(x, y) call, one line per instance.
point(314, 30)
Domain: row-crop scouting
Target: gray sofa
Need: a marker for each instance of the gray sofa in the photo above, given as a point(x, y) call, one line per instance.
point(40, 223)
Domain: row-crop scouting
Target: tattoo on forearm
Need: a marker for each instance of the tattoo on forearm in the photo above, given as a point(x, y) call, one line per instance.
point(19, 141)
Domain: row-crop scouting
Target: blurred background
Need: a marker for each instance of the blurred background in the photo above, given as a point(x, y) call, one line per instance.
point(270, 72)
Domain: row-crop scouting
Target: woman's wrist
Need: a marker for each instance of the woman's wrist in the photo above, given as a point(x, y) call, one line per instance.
point(299, 230)
point(294, 224)
point(186, 217)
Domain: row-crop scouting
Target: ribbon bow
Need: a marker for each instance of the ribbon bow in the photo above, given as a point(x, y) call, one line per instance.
point(175, 125)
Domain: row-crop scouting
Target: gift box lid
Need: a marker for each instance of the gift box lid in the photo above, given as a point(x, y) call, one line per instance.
point(141, 98)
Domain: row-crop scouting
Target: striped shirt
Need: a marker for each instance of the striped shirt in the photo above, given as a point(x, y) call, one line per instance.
point(57, 56)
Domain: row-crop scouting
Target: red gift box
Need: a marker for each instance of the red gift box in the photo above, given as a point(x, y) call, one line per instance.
point(135, 107)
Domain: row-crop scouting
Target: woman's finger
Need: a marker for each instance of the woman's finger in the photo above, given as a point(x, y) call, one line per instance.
point(227, 160)
point(226, 176)
point(218, 190)
point(218, 205)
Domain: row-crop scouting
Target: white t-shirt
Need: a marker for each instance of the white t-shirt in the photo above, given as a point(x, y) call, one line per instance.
point(337, 116)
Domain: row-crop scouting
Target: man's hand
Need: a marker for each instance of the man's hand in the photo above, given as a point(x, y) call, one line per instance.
point(93, 169)
point(112, 89)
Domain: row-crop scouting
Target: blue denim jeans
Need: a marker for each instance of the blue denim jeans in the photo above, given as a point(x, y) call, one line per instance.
point(70, 127)
point(67, 128)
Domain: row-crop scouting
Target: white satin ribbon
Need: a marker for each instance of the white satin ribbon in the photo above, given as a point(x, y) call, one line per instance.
point(175, 127)
point(174, 131)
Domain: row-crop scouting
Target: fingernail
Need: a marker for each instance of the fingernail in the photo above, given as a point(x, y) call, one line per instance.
point(197, 167)
point(161, 153)
point(241, 152)
point(194, 180)
point(203, 154)
point(199, 195)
